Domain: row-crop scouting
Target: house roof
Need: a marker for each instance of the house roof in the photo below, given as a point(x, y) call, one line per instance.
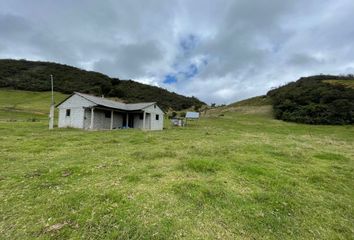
point(113, 104)
point(193, 115)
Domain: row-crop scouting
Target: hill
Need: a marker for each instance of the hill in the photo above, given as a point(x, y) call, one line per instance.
point(322, 99)
point(17, 105)
point(254, 101)
point(34, 76)
point(260, 105)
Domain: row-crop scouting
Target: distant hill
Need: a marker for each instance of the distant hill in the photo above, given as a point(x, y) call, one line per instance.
point(34, 76)
point(321, 99)
point(257, 106)
point(254, 101)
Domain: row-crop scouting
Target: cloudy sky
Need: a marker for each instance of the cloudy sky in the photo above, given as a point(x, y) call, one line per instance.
point(217, 50)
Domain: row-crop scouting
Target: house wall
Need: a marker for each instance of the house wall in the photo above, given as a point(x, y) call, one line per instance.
point(100, 120)
point(151, 122)
point(75, 119)
point(138, 123)
point(76, 105)
point(148, 121)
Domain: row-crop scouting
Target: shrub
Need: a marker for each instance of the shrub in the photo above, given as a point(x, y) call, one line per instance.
point(312, 100)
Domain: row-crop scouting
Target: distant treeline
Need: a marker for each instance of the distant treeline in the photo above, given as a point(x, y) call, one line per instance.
point(320, 99)
point(34, 76)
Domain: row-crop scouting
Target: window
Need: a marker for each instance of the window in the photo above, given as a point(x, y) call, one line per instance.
point(68, 112)
point(141, 116)
point(107, 114)
point(157, 117)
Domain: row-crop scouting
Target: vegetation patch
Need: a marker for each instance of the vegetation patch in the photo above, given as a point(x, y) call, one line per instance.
point(202, 165)
point(152, 155)
point(253, 170)
point(331, 156)
point(312, 100)
point(346, 83)
point(36, 173)
point(200, 195)
point(134, 178)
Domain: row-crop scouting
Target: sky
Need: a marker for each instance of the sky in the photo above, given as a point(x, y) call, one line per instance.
point(219, 51)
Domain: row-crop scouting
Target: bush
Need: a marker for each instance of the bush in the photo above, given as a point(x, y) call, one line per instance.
point(312, 100)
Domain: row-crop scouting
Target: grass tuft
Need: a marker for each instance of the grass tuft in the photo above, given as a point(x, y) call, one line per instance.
point(201, 165)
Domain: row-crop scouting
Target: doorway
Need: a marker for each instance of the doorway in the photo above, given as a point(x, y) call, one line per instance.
point(130, 120)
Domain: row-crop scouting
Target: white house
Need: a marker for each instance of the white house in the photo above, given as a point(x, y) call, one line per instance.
point(89, 112)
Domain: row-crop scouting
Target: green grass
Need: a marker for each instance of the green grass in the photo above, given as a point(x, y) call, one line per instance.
point(260, 106)
point(254, 101)
point(242, 175)
point(347, 83)
point(25, 105)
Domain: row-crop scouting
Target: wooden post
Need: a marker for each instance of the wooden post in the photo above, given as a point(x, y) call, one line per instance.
point(127, 121)
point(51, 117)
point(51, 112)
point(92, 116)
point(112, 113)
point(144, 117)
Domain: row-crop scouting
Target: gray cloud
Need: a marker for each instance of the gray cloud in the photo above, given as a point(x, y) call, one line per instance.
point(130, 60)
point(236, 49)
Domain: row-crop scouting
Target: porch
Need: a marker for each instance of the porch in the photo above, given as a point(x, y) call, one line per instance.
point(105, 118)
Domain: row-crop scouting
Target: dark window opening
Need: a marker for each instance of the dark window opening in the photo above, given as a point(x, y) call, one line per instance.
point(154, 105)
point(157, 117)
point(130, 120)
point(68, 112)
point(141, 116)
point(107, 114)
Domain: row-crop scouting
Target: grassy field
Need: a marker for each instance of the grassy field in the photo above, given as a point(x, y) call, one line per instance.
point(236, 174)
point(26, 105)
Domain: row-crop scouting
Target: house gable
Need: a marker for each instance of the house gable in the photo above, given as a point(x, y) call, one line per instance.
point(154, 108)
point(75, 101)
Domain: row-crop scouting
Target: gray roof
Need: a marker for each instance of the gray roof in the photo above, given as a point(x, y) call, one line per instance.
point(114, 104)
point(194, 115)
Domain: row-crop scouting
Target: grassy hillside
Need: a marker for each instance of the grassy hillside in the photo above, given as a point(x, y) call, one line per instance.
point(254, 101)
point(260, 105)
point(25, 105)
point(34, 76)
point(346, 83)
point(242, 175)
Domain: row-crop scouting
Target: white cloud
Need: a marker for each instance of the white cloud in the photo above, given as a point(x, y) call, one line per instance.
point(240, 48)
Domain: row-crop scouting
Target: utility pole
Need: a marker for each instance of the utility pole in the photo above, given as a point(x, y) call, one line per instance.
point(51, 112)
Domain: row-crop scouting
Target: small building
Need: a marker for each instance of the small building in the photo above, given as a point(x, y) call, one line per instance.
point(89, 112)
point(179, 122)
point(192, 115)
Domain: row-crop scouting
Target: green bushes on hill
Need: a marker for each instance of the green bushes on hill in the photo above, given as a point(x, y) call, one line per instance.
point(315, 100)
point(34, 76)
point(137, 92)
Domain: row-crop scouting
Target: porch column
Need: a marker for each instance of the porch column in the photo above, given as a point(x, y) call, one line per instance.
point(92, 118)
point(127, 121)
point(144, 117)
point(112, 113)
